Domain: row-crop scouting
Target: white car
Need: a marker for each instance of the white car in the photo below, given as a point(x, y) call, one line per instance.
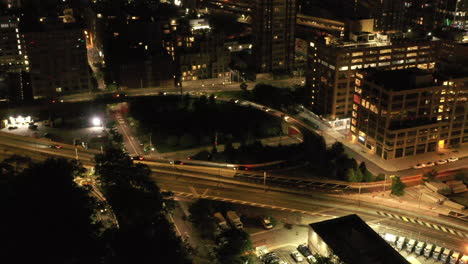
point(266, 222)
point(419, 166)
point(296, 256)
point(452, 159)
point(430, 164)
point(440, 162)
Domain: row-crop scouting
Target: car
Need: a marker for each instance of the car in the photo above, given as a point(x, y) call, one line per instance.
point(429, 164)
point(286, 118)
point(138, 158)
point(440, 162)
point(296, 256)
point(452, 159)
point(419, 166)
point(177, 162)
point(242, 168)
point(12, 127)
point(266, 222)
point(304, 249)
point(32, 127)
point(55, 146)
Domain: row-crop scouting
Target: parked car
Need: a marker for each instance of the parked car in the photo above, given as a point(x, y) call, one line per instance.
point(445, 255)
point(401, 243)
point(430, 164)
point(428, 250)
point(419, 166)
point(12, 127)
point(55, 146)
point(440, 162)
point(177, 162)
point(266, 222)
point(410, 245)
point(304, 249)
point(436, 253)
point(419, 248)
point(296, 256)
point(452, 159)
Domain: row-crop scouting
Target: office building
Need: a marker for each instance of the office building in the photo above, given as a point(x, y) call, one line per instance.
point(274, 30)
point(402, 113)
point(56, 57)
point(332, 64)
point(12, 56)
point(452, 13)
point(350, 240)
point(129, 44)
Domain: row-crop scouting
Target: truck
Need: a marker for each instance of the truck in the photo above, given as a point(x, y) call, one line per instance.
point(234, 219)
point(221, 221)
point(400, 243)
point(419, 248)
point(428, 250)
point(436, 253)
point(445, 255)
point(410, 245)
point(454, 258)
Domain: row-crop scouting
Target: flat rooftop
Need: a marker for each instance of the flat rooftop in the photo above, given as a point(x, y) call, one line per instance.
point(354, 242)
point(399, 80)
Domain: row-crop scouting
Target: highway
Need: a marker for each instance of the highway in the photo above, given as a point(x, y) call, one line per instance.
point(292, 203)
point(213, 183)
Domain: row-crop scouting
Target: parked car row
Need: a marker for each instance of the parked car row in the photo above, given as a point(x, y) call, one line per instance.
point(430, 163)
point(420, 248)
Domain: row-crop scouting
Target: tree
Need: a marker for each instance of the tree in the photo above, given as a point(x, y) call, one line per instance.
point(187, 140)
point(243, 86)
point(430, 175)
point(368, 176)
point(144, 234)
point(323, 260)
point(43, 203)
point(380, 177)
point(398, 187)
point(336, 150)
point(461, 176)
point(363, 167)
point(237, 243)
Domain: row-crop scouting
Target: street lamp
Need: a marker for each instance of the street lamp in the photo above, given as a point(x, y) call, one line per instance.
point(96, 121)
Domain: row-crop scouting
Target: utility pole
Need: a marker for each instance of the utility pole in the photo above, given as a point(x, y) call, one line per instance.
point(359, 197)
point(264, 181)
point(385, 183)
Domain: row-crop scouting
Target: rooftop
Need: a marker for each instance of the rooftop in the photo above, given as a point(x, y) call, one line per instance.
point(399, 80)
point(354, 242)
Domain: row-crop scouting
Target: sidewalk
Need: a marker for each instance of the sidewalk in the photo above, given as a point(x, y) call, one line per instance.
point(360, 153)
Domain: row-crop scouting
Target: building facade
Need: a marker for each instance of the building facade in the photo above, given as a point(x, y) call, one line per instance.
point(274, 30)
point(12, 56)
point(407, 112)
point(453, 13)
point(331, 67)
point(57, 59)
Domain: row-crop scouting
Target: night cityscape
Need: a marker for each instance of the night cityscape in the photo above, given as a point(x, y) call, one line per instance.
point(234, 131)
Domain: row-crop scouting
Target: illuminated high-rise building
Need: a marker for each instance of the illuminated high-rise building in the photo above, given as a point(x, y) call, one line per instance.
point(274, 29)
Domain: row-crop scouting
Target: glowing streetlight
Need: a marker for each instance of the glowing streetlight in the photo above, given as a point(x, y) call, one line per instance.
point(96, 121)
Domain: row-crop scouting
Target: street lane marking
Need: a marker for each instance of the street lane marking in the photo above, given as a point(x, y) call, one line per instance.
point(206, 191)
point(193, 190)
